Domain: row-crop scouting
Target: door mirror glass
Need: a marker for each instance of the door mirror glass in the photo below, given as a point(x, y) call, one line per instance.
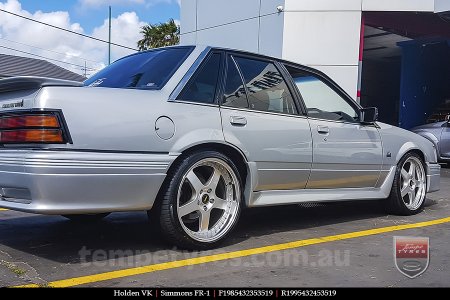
point(369, 115)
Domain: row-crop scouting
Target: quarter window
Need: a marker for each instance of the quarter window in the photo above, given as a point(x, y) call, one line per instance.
point(321, 100)
point(267, 90)
point(202, 88)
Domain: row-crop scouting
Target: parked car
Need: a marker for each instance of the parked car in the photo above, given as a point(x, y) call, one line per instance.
point(439, 134)
point(193, 134)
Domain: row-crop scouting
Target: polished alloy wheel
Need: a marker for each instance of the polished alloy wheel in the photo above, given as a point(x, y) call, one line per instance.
point(413, 183)
point(208, 200)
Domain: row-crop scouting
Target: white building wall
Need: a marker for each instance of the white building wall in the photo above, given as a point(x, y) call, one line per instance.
point(188, 14)
point(323, 5)
point(271, 35)
point(324, 34)
point(309, 34)
point(398, 5)
point(441, 5)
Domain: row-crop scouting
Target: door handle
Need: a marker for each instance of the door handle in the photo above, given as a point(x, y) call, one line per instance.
point(323, 129)
point(238, 120)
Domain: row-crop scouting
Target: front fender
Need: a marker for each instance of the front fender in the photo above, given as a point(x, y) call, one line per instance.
point(399, 141)
point(405, 148)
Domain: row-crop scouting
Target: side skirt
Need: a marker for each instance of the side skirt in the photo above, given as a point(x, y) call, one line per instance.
point(271, 198)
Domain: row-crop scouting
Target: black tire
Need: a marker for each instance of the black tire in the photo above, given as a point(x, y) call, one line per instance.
point(171, 227)
point(395, 204)
point(90, 218)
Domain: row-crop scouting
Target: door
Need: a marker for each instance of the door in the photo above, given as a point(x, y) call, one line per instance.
point(346, 153)
point(261, 118)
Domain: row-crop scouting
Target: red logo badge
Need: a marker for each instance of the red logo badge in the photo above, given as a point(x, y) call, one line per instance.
point(411, 255)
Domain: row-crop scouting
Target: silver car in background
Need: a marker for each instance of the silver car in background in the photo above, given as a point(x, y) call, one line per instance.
point(194, 134)
point(439, 134)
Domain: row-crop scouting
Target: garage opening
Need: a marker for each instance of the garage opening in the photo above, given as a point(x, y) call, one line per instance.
point(406, 66)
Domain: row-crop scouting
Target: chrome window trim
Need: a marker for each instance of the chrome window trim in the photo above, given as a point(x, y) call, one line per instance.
point(180, 86)
point(264, 112)
point(343, 122)
point(194, 103)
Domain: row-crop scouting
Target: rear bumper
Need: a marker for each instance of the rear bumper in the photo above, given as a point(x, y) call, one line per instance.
point(433, 177)
point(70, 182)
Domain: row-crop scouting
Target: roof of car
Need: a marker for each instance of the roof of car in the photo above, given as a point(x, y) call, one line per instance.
point(202, 48)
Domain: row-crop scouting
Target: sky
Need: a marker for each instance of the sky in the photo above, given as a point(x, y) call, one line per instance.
point(88, 17)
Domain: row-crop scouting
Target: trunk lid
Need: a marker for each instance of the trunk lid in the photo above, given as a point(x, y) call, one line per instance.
point(19, 92)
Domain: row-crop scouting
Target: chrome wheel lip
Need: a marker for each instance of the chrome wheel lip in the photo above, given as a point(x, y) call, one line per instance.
point(413, 182)
point(226, 222)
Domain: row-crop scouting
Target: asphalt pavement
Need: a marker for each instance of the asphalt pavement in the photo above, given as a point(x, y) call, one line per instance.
point(315, 245)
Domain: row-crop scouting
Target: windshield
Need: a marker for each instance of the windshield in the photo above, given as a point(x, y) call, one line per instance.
point(146, 70)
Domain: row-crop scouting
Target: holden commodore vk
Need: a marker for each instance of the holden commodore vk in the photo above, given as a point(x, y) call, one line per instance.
point(193, 134)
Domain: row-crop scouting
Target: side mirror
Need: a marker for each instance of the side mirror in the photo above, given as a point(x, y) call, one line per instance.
point(369, 115)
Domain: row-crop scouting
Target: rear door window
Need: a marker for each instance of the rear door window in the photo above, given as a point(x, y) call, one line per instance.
point(267, 90)
point(234, 93)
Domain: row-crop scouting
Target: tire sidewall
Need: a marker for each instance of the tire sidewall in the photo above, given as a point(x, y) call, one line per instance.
point(397, 199)
point(171, 198)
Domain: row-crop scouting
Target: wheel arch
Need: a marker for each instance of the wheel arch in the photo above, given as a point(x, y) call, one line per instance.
point(410, 147)
point(395, 203)
point(232, 152)
point(418, 152)
point(246, 172)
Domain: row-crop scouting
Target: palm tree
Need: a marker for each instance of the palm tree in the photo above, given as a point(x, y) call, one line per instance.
point(159, 35)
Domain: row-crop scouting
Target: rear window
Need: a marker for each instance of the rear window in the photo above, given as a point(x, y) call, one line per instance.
point(146, 70)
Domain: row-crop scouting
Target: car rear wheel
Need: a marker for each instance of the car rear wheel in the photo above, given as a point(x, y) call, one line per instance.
point(410, 185)
point(202, 201)
point(86, 218)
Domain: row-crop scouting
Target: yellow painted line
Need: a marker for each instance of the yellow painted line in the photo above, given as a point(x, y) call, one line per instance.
point(231, 255)
point(3, 209)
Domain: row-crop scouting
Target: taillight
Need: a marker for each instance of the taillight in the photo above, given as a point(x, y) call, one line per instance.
point(29, 121)
point(32, 127)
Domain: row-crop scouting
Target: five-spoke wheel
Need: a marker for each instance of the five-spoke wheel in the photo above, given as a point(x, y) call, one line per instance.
point(410, 186)
point(412, 183)
point(202, 200)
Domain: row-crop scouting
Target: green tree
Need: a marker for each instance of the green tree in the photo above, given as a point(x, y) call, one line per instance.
point(159, 35)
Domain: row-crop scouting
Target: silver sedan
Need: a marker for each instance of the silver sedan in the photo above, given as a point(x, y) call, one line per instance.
point(439, 134)
point(194, 134)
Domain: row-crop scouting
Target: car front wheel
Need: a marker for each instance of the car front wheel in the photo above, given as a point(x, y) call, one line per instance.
point(410, 185)
point(202, 201)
